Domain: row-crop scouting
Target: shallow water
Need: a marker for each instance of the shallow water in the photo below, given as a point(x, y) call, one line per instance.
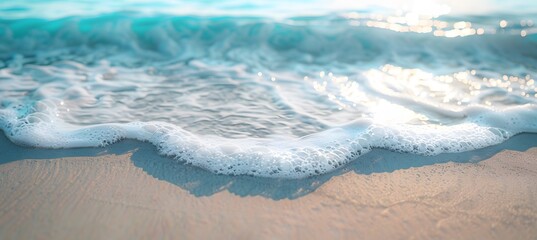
point(268, 89)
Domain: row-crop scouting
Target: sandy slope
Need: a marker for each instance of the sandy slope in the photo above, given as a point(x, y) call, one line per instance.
point(126, 194)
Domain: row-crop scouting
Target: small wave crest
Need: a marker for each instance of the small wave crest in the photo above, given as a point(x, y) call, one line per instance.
point(134, 41)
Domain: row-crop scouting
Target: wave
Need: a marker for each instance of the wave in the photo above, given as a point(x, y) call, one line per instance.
point(286, 98)
point(269, 43)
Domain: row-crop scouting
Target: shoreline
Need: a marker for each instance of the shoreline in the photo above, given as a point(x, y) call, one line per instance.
point(126, 190)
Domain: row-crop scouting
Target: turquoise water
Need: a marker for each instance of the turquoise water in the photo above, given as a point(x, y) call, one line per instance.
point(268, 88)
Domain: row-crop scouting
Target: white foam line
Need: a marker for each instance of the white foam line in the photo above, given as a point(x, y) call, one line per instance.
point(280, 158)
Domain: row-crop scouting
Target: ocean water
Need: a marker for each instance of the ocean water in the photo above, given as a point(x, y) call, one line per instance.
point(268, 88)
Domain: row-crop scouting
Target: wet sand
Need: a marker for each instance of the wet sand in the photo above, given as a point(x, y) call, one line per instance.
point(126, 191)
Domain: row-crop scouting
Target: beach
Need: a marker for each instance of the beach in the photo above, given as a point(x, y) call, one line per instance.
point(235, 119)
point(128, 191)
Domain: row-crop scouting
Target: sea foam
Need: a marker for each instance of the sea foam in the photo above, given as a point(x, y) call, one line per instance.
point(289, 158)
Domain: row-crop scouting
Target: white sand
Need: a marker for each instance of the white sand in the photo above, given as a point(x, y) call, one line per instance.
point(113, 196)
